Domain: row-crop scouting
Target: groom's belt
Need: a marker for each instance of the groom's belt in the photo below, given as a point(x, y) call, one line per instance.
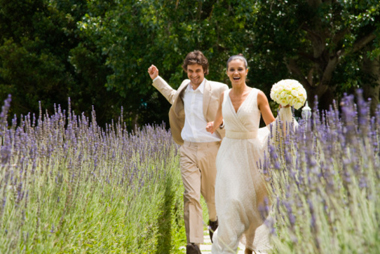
point(241, 134)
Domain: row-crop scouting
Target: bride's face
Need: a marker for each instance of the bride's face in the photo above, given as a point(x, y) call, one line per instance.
point(237, 72)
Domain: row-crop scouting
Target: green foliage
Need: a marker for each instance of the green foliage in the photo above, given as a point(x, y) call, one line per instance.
point(98, 52)
point(26, 70)
point(319, 43)
point(43, 58)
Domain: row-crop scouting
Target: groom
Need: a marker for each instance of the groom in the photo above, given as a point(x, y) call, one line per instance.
point(194, 104)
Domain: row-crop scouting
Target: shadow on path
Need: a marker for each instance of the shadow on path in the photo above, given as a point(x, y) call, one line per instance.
point(164, 220)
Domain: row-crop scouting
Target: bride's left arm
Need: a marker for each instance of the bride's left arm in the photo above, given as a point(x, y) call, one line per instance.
point(263, 104)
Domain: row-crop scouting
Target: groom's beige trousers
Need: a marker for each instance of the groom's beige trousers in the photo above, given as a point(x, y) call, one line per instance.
point(198, 170)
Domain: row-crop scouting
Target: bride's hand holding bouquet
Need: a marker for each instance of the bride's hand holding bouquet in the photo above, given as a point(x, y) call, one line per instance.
point(287, 92)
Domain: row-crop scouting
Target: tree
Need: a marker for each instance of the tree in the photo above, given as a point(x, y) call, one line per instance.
point(31, 66)
point(97, 52)
point(318, 42)
point(135, 34)
point(44, 57)
point(371, 79)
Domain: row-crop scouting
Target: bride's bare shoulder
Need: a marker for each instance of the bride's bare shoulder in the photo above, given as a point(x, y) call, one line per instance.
point(261, 97)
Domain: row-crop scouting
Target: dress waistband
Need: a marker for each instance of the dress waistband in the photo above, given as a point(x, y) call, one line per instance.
point(241, 134)
point(201, 144)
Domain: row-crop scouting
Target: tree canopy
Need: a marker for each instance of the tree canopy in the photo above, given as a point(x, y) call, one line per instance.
point(98, 52)
point(321, 43)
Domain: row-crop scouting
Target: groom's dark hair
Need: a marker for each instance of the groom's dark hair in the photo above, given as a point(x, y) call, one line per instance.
point(195, 57)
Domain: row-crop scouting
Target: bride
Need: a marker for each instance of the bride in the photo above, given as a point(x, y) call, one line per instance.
point(239, 188)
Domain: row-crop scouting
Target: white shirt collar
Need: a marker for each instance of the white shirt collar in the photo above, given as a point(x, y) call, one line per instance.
point(200, 88)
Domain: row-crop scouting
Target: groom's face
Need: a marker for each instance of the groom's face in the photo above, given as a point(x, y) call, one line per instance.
point(196, 74)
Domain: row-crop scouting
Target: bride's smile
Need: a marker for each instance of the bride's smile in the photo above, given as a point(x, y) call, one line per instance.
point(237, 72)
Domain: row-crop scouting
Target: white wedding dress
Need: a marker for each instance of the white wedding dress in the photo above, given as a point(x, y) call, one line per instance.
point(239, 187)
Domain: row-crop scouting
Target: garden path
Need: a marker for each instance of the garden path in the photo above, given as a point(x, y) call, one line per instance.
point(206, 246)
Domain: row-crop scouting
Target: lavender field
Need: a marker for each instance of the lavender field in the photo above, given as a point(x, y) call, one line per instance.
point(68, 186)
point(325, 183)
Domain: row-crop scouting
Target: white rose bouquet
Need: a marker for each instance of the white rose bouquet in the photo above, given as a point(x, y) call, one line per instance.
point(288, 92)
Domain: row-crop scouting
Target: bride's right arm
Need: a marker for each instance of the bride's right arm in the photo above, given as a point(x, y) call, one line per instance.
point(212, 126)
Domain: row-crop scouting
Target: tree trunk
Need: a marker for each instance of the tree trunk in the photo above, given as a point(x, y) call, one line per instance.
point(326, 99)
point(372, 87)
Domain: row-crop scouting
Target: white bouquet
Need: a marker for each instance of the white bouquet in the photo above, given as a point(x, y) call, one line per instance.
point(288, 92)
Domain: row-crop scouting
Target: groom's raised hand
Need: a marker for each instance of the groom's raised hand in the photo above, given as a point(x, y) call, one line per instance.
point(153, 72)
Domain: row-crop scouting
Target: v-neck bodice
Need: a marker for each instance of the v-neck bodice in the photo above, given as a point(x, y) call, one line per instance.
point(246, 98)
point(243, 123)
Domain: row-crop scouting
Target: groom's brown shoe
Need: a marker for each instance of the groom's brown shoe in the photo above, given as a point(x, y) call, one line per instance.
point(213, 225)
point(192, 249)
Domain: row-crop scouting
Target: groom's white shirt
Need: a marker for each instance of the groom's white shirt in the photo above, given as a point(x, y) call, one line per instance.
point(194, 129)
